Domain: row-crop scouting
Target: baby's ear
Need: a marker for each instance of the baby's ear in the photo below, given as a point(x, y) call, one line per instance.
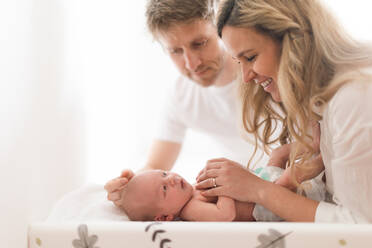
point(163, 217)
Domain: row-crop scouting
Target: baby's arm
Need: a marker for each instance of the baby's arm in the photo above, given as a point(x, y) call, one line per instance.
point(198, 210)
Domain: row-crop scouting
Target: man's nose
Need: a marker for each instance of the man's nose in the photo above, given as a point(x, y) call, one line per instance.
point(192, 60)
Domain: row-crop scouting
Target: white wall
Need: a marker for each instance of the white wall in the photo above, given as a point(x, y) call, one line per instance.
point(41, 144)
point(126, 75)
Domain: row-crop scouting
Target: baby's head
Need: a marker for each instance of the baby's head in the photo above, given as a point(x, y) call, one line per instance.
point(156, 195)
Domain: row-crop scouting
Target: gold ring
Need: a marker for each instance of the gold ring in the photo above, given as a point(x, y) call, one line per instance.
point(214, 182)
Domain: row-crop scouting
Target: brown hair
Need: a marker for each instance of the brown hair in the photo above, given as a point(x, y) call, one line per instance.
point(162, 14)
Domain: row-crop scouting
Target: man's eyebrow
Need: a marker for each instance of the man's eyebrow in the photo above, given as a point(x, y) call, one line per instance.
point(243, 52)
point(198, 39)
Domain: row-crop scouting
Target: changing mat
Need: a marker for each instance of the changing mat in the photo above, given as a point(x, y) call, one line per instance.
point(88, 203)
point(84, 218)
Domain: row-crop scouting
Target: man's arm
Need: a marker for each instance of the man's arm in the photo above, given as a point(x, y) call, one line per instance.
point(163, 154)
point(197, 210)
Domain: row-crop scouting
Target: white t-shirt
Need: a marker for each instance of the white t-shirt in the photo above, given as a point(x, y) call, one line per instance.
point(346, 147)
point(210, 110)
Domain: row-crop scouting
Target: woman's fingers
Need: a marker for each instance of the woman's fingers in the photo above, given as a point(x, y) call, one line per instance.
point(210, 173)
point(218, 191)
point(207, 183)
point(209, 166)
point(211, 161)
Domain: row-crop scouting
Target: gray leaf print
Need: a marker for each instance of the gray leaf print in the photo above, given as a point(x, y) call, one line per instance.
point(85, 240)
point(273, 240)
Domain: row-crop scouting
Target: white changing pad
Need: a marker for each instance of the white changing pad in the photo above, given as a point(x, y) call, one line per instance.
point(88, 203)
point(84, 218)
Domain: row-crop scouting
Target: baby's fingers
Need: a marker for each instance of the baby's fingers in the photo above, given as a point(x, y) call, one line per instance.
point(114, 196)
point(115, 184)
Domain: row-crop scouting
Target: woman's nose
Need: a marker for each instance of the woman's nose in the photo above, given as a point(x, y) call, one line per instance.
point(248, 74)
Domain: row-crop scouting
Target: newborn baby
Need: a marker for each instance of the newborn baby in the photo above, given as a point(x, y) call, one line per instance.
point(164, 196)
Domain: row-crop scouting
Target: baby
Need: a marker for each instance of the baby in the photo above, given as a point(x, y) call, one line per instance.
point(157, 195)
point(164, 196)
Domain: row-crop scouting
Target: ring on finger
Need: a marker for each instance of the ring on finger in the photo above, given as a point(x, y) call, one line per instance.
point(214, 182)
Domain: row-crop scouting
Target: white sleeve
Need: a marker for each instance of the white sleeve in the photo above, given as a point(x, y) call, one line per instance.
point(349, 122)
point(172, 126)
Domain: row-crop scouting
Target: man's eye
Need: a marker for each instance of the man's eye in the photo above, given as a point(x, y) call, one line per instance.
point(200, 44)
point(176, 51)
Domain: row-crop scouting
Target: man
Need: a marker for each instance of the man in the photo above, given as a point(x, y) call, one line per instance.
point(203, 98)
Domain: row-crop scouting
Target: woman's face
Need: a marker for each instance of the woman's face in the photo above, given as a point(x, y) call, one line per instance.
point(258, 56)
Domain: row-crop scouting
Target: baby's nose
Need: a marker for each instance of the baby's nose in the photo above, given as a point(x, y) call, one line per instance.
point(174, 180)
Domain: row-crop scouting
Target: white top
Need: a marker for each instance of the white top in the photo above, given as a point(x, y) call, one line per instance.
point(346, 147)
point(210, 110)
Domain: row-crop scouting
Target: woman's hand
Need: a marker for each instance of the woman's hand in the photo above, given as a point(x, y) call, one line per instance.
point(223, 177)
point(115, 186)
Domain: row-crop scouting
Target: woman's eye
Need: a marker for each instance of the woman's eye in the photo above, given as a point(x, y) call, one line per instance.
point(250, 59)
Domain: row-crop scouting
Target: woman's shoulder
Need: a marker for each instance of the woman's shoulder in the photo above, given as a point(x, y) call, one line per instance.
point(353, 100)
point(355, 91)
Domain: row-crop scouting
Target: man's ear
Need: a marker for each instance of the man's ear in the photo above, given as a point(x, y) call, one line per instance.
point(163, 217)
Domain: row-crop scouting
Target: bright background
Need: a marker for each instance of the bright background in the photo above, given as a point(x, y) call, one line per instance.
point(82, 85)
point(125, 77)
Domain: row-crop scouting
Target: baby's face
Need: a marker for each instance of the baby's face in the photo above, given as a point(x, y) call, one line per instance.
point(167, 190)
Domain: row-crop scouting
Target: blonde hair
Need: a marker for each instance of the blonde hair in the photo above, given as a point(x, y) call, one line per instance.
point(314, 49)
point(162, 14)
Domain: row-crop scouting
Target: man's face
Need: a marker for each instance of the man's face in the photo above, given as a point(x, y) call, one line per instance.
point(195, 49)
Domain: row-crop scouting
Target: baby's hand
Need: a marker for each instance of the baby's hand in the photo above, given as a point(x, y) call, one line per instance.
point(115, 186)
point(279, 156)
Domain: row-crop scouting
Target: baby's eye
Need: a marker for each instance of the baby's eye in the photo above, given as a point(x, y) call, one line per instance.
point(164, 188)
point(164, 173)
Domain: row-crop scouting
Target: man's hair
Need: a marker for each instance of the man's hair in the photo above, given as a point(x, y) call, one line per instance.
point(162, 14)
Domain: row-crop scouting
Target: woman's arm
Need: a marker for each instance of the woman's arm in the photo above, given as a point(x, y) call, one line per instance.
point(238, 183)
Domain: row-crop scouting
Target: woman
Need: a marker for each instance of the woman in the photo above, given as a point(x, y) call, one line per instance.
point(298, 67)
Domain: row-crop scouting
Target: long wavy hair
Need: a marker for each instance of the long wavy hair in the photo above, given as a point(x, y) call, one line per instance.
point(317, 58)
